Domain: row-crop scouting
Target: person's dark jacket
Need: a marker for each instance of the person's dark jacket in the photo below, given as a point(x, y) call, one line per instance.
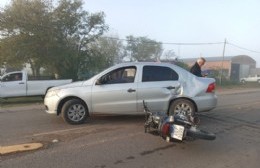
point(196, 70)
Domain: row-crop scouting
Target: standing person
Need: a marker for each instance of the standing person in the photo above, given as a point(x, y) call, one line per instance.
point(196, 68)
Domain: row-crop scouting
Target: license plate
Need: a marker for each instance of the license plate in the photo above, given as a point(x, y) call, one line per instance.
point(177, 131)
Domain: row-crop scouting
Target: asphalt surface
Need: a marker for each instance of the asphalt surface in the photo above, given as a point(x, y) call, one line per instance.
point(120, 141)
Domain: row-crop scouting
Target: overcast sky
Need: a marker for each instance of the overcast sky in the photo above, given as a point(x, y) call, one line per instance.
point(186, 21)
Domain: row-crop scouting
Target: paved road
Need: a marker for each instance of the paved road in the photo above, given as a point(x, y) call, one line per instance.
point(120, 141)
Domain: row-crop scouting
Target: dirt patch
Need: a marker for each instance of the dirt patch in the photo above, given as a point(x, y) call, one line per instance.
point(19, 148)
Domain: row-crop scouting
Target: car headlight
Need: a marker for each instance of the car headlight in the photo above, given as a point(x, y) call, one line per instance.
point(51, 93)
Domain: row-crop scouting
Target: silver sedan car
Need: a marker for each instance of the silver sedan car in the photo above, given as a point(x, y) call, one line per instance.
point(122, 88)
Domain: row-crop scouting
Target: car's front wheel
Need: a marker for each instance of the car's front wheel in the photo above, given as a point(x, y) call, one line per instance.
point(182, 107)
point(74, 111)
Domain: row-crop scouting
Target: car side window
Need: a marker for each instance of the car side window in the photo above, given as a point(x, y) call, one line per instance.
point(121, 75)
point(158, 73)
point(13, 77)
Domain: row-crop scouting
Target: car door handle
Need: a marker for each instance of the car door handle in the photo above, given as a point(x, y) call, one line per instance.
point(170, 87)
point(21, 83)
point(131, 90)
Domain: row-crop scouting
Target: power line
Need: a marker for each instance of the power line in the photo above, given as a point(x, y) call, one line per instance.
point(171, 43)
point(242, 48)
point(164, 43)
point(167, 43)
point(194, 43)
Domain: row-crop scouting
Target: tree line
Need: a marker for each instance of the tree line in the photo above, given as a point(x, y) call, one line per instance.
point(64, 39)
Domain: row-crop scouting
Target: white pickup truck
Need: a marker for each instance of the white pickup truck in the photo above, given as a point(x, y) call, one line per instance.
point(16, 84)
point(255, 78)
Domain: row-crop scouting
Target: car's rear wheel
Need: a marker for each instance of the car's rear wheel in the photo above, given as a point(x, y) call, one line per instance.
point(243, 81)
point(182, 107)
point(74, 111)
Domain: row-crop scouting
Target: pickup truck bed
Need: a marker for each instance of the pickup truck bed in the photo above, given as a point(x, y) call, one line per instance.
point(16, 84)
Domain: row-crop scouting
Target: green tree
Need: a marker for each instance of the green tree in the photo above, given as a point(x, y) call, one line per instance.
point(169, 55)
point(22, 37)
point(47, 35)
point(102, 53)
point(143, 48)
point(182, 64)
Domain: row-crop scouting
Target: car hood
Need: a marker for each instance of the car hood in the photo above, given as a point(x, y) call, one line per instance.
point(74, 84)
point(70, 85)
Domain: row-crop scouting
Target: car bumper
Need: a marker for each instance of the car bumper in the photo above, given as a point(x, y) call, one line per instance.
point(51, 104)
point(206, 103)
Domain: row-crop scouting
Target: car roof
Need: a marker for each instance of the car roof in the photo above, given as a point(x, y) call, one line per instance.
point(145, 63)
point(176, 67)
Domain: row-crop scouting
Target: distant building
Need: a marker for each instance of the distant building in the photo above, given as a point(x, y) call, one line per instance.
point(232, 67)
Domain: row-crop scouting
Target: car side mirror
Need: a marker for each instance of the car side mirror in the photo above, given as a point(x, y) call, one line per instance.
point(99, 82)
point(102, 80)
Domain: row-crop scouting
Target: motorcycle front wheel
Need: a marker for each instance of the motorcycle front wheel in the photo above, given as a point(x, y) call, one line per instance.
point(200, 134)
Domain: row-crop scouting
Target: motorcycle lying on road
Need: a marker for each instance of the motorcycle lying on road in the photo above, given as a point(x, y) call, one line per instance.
point(177, 126)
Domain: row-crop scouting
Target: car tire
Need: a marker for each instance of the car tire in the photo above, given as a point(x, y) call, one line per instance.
point(182, 106)
point(243, 81)
point(258, 81)
point(74, 111)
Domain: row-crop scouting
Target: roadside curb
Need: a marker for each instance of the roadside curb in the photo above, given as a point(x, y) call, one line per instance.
point(20, 148)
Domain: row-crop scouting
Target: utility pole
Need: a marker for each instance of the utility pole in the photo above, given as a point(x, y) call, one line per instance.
point(223, 55)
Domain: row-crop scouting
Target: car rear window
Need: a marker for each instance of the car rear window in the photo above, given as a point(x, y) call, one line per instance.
point(158, 73)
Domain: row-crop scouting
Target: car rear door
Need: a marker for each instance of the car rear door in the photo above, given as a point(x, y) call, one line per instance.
point(115, 92)
point(158, 85)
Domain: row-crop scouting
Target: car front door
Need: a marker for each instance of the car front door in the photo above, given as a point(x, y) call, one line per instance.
point(159, 84)
point(115, 92)
point(12, 85)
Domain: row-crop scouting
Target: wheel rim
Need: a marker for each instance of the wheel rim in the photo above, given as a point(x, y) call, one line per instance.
point(183, 108)
point(76, 112)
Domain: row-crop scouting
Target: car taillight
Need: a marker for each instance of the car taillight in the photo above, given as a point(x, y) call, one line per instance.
point(211, 88)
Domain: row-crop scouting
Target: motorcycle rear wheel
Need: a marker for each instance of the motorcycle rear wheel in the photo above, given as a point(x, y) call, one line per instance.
point(200, 134)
